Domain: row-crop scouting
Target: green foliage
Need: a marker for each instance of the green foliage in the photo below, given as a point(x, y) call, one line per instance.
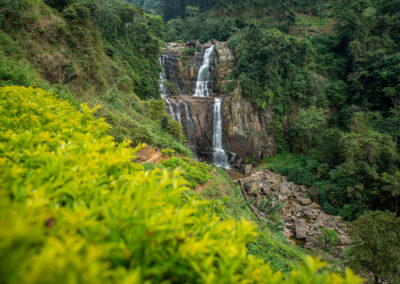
point(309, 125)
point(167, 152)
point(14, 70)
point(188, 51)
point(164, 123)
point(350, 169)
point(194, 172)
point(300, 175)
point(299, 169)
point(273, 68)
point(91, 50)
point(328, 239)
point(77, 209)
point(370, 32)
point(392, 185)
point(376, 245)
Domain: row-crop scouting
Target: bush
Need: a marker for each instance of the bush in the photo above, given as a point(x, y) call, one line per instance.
point(328, 239)
point(194, 172)
point(300, 175)
point(376, 247)
point(188, 51)
point(75, 209)
point(167, 152)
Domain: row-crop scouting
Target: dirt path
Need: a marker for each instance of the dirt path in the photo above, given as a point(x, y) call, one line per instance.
point(148, 155)
point(156, 157)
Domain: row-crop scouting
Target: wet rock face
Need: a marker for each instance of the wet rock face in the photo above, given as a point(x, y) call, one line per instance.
point(182, 70)
point(244, 128)
point(201, 113)
point(303, 219)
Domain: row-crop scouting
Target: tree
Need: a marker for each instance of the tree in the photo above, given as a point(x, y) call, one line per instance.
point(376, 244)
point(310, 124)
point(366, 154)
point(392, 184)
point(192, 11)
point(58, 4)
point(164, 123)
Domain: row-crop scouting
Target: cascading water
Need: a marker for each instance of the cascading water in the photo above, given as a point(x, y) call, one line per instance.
point(189, 122)
point(163, 78)
point(178, 111)
point(189, 130)
point(176, 106)
point(164, 93)
point(219, 156)
point(170, 108)
point(204, 74)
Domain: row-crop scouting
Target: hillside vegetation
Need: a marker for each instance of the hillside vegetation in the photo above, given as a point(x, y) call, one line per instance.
point(99, 52)
point(79, 94)
point(77, 210)
point(330, 72)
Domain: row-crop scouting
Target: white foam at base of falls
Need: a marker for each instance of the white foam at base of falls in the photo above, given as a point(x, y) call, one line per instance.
point(219, 156)
point(204, 74)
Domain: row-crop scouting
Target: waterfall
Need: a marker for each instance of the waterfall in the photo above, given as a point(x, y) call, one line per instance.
point(163, 78)
point(164, 93)
point(170, 108)
point(189, 130)
point(178, 111)
point(189, 122)
point(219, 156)
point(204, 74)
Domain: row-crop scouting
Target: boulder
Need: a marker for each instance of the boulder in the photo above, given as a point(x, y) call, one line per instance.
point(295, 207)
point(344, 239)
point(301, 228)
point(305, 201)
point(247, 169)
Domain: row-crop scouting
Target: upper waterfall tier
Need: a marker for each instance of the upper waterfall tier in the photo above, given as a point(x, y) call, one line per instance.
point(244, 129)
point(203, 78)
point(163, 79)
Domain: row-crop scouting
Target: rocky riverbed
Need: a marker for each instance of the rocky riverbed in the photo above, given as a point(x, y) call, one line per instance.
point(302, 218)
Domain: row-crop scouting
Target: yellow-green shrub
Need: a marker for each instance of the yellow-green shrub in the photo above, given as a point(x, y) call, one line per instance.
point(194, 172)
point(75, 209)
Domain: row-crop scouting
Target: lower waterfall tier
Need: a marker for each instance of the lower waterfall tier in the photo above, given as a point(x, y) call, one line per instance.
point(243, 130)
point(197, 118)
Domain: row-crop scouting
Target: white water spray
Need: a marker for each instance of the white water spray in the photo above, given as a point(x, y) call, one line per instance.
point(219, 156)
point(204, 74)
point(163, 78)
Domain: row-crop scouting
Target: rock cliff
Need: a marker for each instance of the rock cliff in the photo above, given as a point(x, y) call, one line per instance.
point(244, 128)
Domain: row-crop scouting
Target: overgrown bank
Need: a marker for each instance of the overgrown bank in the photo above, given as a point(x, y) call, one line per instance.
point(99, 52)
point(77, 209)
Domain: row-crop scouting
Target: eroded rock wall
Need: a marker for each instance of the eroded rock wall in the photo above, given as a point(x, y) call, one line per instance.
point(245, 129)
point(182, 69)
